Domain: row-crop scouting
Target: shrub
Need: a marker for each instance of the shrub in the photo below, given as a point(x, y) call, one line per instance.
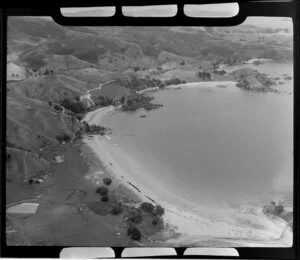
point(107, 181)
point(279, 209)
point(65, 137)
point(159, 210)
point(104, 199)
point(58, 107)
point(154, 222)
point(116, 210)
point(147, 207)
point(134, 233)
point(103, 191)
point(50, 103)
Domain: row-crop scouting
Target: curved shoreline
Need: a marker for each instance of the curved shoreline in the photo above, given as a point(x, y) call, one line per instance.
point(203, 224)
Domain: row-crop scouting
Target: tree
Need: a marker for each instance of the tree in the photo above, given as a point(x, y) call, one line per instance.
point(64, 137)
point(122, 100)
point(50, 103)
point(134, 233)
point(103, 191)
point(104, 199)
point(279, 209)
point(159, 210)
point(147, 207)
point(58, 107)
point(107, 181)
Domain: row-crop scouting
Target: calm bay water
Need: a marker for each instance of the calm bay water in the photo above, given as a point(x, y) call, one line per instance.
point(212, 143)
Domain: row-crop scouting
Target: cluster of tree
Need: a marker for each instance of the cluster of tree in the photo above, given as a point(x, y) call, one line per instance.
point(219, 72)
point(137, 101)
point(103, 192)
point(63, 138)
point(103, 101)
point(47, 72)
point(273, 209)
point(174, 81)
point(149, 208)
point(94, 129)
point(204, 75)
point(57, 107)
point(74, 106)
point(134, 233)
point(104, 198)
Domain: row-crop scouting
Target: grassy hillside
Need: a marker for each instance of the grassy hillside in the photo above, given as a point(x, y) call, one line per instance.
point(32, 125)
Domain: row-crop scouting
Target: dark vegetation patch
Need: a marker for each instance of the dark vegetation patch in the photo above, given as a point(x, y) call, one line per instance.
point(74, 106)
point(278, 210)
point(94, 129)
point(147, 207)
point(107, 181)
point(138, 101)
point(174, 81)
point(104, 199)
point(134, 233)
point(63, 138)
point(102, 191)
point(204, 75)
point(57, 107)
point(103, 101)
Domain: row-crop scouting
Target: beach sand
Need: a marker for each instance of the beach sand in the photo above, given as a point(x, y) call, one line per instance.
point(197, 225)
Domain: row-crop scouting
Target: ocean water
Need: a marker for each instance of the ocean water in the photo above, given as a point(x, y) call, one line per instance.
point(210, 144)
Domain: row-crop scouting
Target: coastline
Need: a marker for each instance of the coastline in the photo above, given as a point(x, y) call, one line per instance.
point(221, 226)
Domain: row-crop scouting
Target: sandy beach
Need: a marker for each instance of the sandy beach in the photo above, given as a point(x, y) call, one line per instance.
point(197, 225)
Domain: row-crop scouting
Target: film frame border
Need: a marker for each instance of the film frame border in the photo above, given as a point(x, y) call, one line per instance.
point(247, 8)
